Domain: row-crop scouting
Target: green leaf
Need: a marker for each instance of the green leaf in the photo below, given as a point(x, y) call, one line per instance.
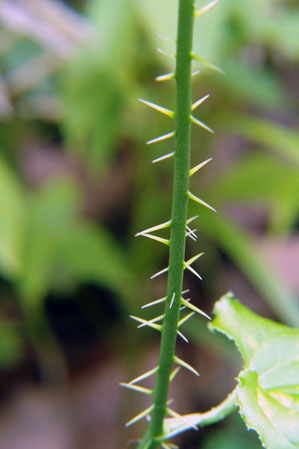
point(11, 344)
point(62, 249)
point(96, 84)
point(12, 221)
point(268, 390)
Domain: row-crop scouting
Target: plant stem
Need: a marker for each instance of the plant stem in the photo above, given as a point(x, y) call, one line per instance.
point(178, 222)
point(212, 416)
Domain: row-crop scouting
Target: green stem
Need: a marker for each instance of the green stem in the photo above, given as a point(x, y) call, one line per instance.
point(212, 416)
point(178, 222)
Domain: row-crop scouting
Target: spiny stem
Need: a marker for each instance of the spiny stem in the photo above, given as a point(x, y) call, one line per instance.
point(178, 222)
point(212, 416)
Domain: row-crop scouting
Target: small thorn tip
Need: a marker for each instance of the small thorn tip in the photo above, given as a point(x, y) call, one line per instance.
point(162, 158)
point(201, 124)
point(158, 108)
point(161, 138)
point(199, 201)
point(205, 9)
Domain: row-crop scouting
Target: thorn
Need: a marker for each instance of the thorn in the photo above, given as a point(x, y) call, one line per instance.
point(199, 166)
point(182, 336)
point(184, 307)
point(155, 237)
point(137, 388)
point(196, 72)
point(186, 318)
point(174, 373)
point(206, 63)
point(185, 291)
point(194, 308)
point(140, 416)
point(185, 365)
point(177, 415)
point(159, 50)
point(159, 273)
point(153, 303)
point(165, 77)
point(191, 233)
point(192, 270)
point(166, 38)
point(198, 200)
point(201, 124)
point(154, 228)
point(158, 108)
point(144, 376)
point(147, 323)
point(172, 300)
point(191, 219)
point(205, 9)
point(194, 258)
point(199, 102)
point(154, 320)
point(160, 138)
point(162, 158)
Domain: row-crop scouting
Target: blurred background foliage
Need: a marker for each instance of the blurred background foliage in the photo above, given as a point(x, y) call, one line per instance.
point(76, 183)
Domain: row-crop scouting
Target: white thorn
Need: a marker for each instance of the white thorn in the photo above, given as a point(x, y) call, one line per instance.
point(191, 219)
point(159, 273)
point(199, 166)
point(140, 416)
point(154, 228)
point(165, 77)
point(206, 63)
point(157, 107)
point(136, 388)
point(191, 232)
point(204, 9)
point(166, 38)
point(185, 365)
point(144, 376)
point(165, 53)
point(147, 323)
point(154, 320)
point(172, 300)
point(194, 258)
point(199, 102)
point(174, 373)
point(162, 158)
point(198, 200)
point(196, 72)
point(156, 238)
point(160, 138)
point(201, 124)
point(192, 270)
point(186, 318)
point(182, 336)
point(194, 308)
point(153, 303)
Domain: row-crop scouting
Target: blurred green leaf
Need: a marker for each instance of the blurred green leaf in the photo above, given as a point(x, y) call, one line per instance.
point(278, 138)
point(12, 220)
point(248, 83)
point(261, 179)
point(11, 345)
point(96, 84)
point(61, 249)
